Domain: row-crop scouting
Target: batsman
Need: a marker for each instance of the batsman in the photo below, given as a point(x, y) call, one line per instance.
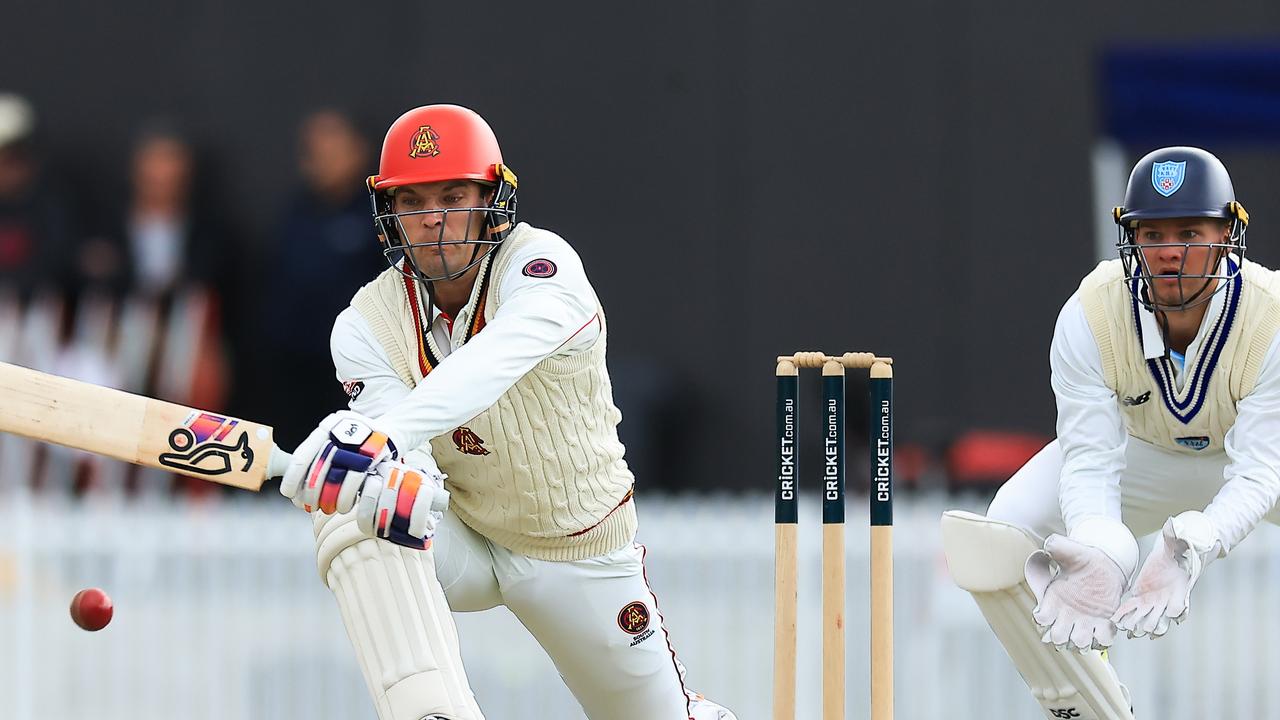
point(478, 463)
point(1167, 380)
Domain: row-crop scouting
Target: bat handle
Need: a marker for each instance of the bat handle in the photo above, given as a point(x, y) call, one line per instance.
point(440, 500)
point(278, 463)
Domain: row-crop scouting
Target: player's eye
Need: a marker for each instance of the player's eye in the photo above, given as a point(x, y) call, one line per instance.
point(453, 199)
point(1190, 235)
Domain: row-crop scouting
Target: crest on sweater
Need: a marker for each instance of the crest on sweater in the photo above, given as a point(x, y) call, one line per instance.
point(468, 442)
point(1197, 443)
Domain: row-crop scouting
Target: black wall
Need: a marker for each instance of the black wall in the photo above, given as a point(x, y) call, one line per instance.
point(741, 178)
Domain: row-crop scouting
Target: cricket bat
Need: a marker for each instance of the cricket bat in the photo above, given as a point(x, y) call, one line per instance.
point(137, 429)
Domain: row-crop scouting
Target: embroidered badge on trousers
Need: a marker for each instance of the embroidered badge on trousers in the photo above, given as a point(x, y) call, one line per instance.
point(634, 619)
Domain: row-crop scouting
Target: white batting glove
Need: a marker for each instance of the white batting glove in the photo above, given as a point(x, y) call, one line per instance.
point(1162, 591)
point(403, 503)
point(1078, 587)
point(329, 467)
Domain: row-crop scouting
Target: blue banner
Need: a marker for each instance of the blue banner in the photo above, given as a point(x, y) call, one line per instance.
point(1191, 93)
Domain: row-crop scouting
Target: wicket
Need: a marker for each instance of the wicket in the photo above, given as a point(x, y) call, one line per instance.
point(786, 523)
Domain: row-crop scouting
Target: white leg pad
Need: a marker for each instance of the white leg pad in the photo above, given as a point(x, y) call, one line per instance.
point(986, 558)
point(398, 621)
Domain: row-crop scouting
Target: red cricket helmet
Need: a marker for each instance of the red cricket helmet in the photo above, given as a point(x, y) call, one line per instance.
point(434, 143)
point(438, 142)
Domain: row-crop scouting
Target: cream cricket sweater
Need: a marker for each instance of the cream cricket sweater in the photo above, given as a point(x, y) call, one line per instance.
point(1199, 414)
point(540, 471)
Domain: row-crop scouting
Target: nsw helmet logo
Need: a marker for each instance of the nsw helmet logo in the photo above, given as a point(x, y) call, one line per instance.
point(424, 143)
point(1167, 177)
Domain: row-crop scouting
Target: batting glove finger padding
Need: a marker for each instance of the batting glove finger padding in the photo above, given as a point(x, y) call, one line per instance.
point(401, 504)
point(303, 456)
point(329, 467)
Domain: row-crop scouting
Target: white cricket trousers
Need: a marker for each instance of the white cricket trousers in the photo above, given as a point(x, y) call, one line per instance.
point(596, 618)
point(1155, 485)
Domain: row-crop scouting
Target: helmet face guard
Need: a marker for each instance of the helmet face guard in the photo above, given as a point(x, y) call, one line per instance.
point(1214, 274)
point(1181, 182)
point(436, 143)
point(497, 221)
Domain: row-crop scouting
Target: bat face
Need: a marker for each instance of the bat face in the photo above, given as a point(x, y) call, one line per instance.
point(137, 429)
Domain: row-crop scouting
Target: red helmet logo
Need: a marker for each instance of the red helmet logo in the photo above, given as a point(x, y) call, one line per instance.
point(473, 148)
point(424, 143)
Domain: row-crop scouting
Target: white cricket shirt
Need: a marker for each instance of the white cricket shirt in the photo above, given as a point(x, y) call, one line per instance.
point(1092, 432)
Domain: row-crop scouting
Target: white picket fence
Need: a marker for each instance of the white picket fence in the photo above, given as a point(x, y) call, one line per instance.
point(220, 615)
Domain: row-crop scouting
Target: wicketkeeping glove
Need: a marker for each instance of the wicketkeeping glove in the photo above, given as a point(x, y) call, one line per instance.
point(1078, 582)
point(1162, 591)
point(1077, 587)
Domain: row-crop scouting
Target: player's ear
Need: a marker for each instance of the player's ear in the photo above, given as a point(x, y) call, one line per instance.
point(1224, 231)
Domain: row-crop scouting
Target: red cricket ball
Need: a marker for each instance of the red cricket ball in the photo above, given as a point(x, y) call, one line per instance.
point(91, 609)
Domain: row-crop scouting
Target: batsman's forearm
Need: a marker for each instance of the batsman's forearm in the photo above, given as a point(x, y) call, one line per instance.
point(474, 376)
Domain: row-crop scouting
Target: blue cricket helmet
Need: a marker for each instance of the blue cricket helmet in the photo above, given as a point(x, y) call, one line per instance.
point(1181, 182)
point(1176, 182)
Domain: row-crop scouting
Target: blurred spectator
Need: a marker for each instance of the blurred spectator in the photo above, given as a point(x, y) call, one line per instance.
point(171, 260)
point(163, 237)
point(37, 231)
point(325, 250)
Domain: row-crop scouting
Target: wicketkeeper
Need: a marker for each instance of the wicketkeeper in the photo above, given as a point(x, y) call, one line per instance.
point(1167, 380)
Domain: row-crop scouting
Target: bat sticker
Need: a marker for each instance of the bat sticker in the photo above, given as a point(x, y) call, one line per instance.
point(199, 446)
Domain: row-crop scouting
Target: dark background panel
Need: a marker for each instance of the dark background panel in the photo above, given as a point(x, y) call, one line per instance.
point(741, 178)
